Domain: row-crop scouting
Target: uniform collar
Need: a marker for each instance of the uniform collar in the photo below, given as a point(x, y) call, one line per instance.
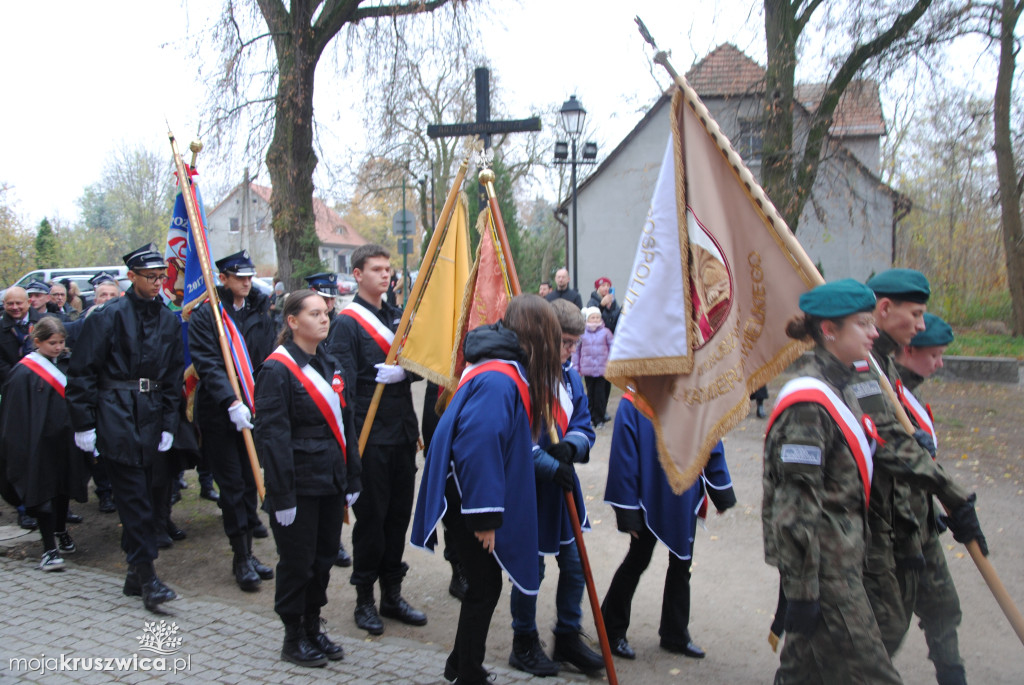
point(884, 346)
point(297, 353)
point(910, 379)
point(377, 311)
point(833, 371)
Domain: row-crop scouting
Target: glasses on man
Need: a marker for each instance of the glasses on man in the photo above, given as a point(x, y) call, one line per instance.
point(570, 343)
point(153, 278)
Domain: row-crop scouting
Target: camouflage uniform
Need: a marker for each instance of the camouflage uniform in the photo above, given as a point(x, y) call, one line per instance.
point(900, 464)
point(936, 602)
point(815, 533)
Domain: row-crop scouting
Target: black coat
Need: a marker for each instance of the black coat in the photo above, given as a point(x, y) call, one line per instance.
point(10, 347)
point(610, 315)
point(257, 327)
point(38, 458)
point(357, 353)
point(567, 294)
point(125, 340)
point(294, 464)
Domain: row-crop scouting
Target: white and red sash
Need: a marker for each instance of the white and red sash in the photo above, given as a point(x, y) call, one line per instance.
point(922, 414)
point(45, 369)
point(806, 389)
point(381, 334)
point(562, 409)
point(510, 369)
point(327, 398)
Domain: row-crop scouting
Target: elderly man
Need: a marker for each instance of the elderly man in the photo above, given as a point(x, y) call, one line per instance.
point(562, 290)
point(15, 329)
point(59, 299)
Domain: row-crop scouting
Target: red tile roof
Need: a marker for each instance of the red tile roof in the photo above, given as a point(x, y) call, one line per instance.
point(859, 112)
point(331, 229)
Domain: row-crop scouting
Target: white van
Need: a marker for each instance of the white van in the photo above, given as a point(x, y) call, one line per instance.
point(80, 275)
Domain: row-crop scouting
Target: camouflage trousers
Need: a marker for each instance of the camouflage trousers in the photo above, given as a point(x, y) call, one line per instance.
point(846, 646)
point(891, 602)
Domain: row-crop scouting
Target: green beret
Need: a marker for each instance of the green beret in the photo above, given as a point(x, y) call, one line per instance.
point(936, 332)
point(901, 284)
point(838, 299)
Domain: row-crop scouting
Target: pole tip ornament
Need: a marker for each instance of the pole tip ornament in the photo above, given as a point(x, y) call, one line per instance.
point(195, 146)
point(486, 176)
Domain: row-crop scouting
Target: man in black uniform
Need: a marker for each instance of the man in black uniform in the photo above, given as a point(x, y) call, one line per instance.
point(220, 416)
point(123, 392)
point(360, 340)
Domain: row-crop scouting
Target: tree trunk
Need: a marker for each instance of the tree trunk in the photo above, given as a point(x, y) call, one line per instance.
point(1006, 168)
point(780, 78)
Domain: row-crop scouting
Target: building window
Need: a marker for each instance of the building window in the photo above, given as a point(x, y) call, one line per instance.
point(261, 224)
point(233, 225)
point(750, 141)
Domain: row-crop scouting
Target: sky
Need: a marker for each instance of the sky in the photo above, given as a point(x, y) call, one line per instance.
point(90, 78)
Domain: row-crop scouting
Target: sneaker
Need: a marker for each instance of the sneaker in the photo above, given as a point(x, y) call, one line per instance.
point(51, 561)
point(65, 544)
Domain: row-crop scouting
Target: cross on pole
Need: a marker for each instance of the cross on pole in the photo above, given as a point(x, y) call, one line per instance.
point(483, 126)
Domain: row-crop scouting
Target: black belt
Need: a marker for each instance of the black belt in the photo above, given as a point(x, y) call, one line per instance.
point(138, 384)
point(311, 432)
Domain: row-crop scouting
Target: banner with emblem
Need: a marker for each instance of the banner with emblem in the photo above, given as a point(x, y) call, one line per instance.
point(184, 287)
point(716, 276)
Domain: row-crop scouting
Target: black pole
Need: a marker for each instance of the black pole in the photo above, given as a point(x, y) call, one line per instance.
point(575, 264)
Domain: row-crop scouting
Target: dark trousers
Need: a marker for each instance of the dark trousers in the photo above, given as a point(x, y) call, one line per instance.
point(98, 470)
point(675, 601)
point(51, 518)
point(306, 552)
point(382, 513)
point(133, 487)
point(224, 453)
point(597, 397)
point(484, 588)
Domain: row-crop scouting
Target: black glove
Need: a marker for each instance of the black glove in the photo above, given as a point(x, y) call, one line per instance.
point(563, 477)
point(563, 452)
point(924, 439)
point(940, 524)
point(915, 563)
point(802, 616)
point(963, 523)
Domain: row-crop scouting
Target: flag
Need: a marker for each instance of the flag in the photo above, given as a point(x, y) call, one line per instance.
point(427, 347)
point(710, 291)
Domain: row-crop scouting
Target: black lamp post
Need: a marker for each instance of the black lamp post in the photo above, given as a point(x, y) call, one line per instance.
point(573, 116)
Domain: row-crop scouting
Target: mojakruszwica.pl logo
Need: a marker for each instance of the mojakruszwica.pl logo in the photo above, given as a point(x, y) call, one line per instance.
point(159, 650)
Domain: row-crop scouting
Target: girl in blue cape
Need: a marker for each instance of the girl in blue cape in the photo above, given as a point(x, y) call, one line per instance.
point(478, 476)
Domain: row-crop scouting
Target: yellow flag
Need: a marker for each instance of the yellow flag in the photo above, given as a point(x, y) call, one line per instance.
point(427, 349)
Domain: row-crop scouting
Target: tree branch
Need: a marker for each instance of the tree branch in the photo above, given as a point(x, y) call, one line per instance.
point(805, 16)
point(378, 11)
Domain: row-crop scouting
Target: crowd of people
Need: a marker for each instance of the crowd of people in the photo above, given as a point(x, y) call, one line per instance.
point(848, 517)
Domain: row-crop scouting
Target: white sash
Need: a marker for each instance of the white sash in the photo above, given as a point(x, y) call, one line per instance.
point(367, 318)
point(921, 415)
point(49, 368)
point(323, 388)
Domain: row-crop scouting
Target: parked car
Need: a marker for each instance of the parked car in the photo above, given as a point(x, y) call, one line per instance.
point(347, 284)
point(79, 275)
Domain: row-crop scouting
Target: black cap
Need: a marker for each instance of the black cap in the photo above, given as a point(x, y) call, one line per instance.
point(238, 264)
point(324, 283)
point(103, 277)
point(146, 257)
point(37, 287)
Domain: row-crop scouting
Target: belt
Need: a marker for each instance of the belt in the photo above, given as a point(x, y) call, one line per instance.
point(138, 384)
point(311, 432)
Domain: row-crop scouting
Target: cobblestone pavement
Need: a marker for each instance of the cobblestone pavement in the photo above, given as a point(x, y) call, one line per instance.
point(79, 613)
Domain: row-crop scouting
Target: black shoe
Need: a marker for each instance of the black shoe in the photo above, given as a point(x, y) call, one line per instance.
point(27, 522)
point(259, 530)
point(606, 419)
point(459, 585)
point(210, 494)
point(320, 640)
point(621, 648)
point(155, 593)
point(344, 560)
point(393, 605)
point(175, 533)
point(72, 517)
point(688, 648)
point(107, 505)
point(245, 575)
point(182, 483)
point(164, 541)
point(569, 648)
point(132, 585)
point(366, 614)
point(298, 649)
point(450, 671)
point(262, 570)
point(175, 497)
point(528, 655)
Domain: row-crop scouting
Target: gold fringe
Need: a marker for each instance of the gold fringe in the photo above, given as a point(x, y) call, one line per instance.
point(648, 366)
point(683, 229)
point(421, 370)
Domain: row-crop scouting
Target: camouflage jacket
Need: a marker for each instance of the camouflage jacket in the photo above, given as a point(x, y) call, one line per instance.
point(813, 515)
point(920, 501)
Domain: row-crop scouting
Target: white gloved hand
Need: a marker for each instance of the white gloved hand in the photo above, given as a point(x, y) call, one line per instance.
point(351, 498)
point(166, 440)
point(86, 440)
point(285, 517)
point(240, 416)
point(389, 373)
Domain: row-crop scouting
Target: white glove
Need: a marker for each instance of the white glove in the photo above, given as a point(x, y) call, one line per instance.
point(285, 517)
point(240, 416)
point(166, 440)
point(389, 373)
point(351, 498)
point(86, 440)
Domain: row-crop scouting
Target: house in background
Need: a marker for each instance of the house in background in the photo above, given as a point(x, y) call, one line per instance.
point(847, 225)
point(242, 221)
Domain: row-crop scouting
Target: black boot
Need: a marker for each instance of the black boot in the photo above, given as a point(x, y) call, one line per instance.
point(261, 569)
point(132, 584)
point(297, 648)
point(319, 639)
point(528, 655)
point(153, 591)
point(393, 605)
point(367, 617)
point(245, 575)
point(458, 586)
point(344, 560)
point(570, 649)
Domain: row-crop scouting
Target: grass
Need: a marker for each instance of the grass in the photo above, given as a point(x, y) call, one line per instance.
point(977, 344)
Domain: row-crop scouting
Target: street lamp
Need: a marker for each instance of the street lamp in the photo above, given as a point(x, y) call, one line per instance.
point(573, 115)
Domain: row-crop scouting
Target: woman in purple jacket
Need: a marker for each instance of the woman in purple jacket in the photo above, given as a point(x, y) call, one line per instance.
point(590, 359)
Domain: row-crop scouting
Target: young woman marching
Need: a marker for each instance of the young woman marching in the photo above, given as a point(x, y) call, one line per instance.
point(308, 447)
point(817, 480)
point(479, 475)
point(39, 464)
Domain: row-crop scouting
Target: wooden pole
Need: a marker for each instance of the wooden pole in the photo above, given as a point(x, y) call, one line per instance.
point(199, 242)
point(430, 258)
